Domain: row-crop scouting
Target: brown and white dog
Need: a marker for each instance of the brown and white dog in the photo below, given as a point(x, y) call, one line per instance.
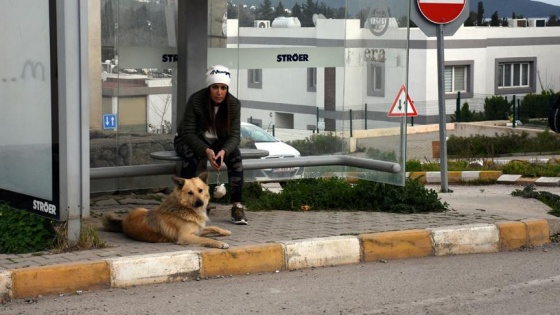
point(181, 218)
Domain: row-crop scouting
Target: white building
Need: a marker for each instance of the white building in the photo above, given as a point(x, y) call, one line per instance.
point(365, 68)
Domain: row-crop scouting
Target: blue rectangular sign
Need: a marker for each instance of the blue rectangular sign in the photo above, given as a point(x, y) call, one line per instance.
point(109, 121)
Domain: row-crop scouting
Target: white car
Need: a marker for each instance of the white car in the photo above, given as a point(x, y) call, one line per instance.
point(276, 150)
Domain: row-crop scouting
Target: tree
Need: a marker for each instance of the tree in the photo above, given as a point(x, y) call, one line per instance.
point(495, 19)
point(107, 23)
point(553, 21)
point(480, 14)
point(340, 13)
point(471, 19)
point(362, 15)
point(325, 10)
point(141, 20)
point(232, 12)
point(308, 9)
point(296, 11)
point(265, 11)
point(246, 17)
point(280, 10)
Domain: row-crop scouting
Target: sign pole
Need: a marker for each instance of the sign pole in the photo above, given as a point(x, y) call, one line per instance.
point(453, 14)
point(441, 107)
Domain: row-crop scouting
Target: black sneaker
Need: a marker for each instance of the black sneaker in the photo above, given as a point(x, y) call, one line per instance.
point(238, 215)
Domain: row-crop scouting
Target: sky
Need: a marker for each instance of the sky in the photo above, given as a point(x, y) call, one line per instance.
point(553, 2)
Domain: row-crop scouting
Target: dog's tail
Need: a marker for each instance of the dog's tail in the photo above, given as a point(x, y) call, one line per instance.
point(112, 222)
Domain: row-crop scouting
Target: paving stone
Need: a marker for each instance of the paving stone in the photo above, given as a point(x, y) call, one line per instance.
point(508, 179)
point(548, 181)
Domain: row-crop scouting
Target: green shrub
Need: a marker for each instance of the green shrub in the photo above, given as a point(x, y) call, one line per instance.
point(469, 147)
point(536, 105)
point(318, 144)
point(337, 194)
point(377, 154)
point(413, 166)
point(466, 115)
point(531, 169)
point(24, 232)
point(546, 142)
point(496, 108)
point(481, 146)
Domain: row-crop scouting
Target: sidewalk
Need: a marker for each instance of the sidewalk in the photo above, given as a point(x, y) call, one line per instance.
point(481, 219)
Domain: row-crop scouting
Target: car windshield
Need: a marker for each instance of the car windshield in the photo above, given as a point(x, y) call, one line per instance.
point(256, 133)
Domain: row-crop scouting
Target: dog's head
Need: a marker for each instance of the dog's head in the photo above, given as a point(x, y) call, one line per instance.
point(193, 192)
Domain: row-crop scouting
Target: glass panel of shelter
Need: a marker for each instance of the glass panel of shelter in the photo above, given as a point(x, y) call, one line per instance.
point(139, 57)
point(340, 42)
point(338, 115)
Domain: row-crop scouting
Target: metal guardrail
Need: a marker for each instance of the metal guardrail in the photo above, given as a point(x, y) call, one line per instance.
point(132, 171)
point(250, 164)
point(344, 160)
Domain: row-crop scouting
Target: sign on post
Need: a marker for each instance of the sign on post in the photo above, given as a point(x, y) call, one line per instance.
point(109, 121)
point(402, 105)
point(430, 28)
point(441, 11)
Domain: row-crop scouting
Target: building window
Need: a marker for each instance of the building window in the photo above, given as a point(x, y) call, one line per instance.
point(311, 79)
point(457, 77)
point(254, 78)
point(515, 75)
point(376, 79)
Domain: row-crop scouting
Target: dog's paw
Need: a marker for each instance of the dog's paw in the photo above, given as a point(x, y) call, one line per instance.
point(225, 233)
point(224, 246)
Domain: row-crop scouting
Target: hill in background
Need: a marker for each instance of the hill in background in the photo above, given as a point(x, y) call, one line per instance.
point(526, 8)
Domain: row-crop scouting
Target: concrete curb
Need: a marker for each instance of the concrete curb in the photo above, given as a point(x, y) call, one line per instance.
point(456, 177)
point(274, 257)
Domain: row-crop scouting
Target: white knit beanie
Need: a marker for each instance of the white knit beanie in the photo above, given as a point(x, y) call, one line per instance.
point(218, 74)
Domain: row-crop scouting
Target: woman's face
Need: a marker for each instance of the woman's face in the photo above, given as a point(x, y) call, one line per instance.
point(218, 92)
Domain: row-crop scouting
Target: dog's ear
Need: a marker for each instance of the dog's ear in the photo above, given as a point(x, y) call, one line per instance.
point(179, 181)
point(204, 177)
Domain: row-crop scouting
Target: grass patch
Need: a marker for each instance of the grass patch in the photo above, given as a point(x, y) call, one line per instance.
point(25, 232)
point(89, 239)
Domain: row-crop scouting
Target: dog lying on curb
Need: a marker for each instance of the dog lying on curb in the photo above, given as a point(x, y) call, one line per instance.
point(181, 218)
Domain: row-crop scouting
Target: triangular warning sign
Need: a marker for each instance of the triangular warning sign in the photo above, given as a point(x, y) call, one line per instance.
point(398, 109)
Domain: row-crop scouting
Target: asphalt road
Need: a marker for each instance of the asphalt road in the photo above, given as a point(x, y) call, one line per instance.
point(521, 282)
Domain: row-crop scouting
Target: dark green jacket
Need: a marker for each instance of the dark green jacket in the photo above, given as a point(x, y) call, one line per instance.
point(192, 127)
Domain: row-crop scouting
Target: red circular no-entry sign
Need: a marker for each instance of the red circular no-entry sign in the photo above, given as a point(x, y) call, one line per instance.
point(441, 11)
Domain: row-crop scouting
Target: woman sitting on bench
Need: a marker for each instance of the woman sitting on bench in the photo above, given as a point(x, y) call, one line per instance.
point(210, 131)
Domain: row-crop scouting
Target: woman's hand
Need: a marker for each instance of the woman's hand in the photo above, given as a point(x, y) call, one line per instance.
point(216, 160)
